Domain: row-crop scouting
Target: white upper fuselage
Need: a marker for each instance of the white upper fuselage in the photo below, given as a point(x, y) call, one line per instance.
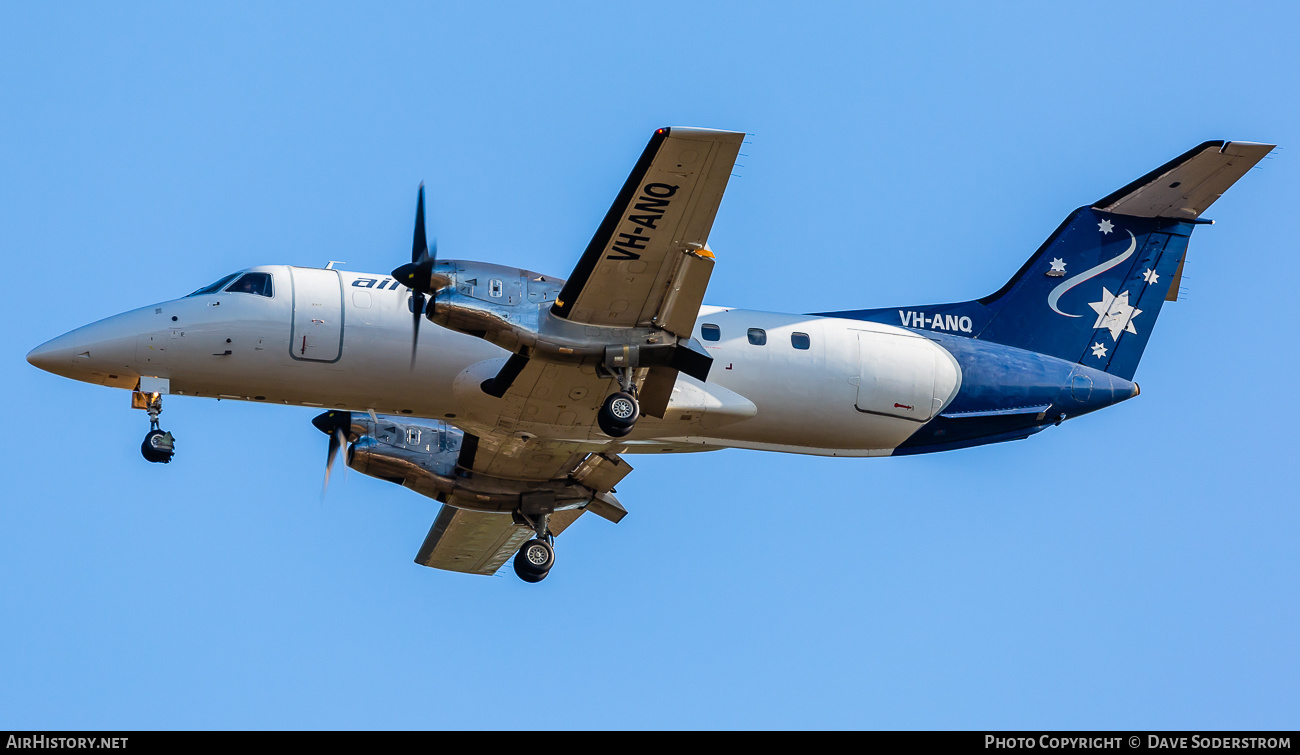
point(290, 348)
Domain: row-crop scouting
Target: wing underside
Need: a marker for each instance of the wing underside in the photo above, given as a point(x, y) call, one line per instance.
point(477, 542)
point(647, 266)
point(648, 262)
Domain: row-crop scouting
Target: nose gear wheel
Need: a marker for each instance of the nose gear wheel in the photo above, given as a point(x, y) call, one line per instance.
point(159, 446)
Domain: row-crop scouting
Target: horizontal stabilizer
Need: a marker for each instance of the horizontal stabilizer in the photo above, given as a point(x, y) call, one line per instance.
point(1187, 185)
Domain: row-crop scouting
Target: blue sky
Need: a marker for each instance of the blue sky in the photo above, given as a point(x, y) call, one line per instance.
point(1132, 569)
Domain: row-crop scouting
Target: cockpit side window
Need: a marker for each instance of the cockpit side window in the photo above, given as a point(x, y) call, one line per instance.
point(215, 286)
point(252, 283)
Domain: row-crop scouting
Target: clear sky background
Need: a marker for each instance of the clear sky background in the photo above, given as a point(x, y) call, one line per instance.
point(1136, 568)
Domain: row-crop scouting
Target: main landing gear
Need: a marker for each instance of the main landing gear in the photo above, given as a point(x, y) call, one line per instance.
point(619, 413)
point(535, 559)
point(159, 446)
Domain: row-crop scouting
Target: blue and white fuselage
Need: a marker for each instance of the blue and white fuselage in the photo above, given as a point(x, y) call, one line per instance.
point(796, 383)
point(518, 401)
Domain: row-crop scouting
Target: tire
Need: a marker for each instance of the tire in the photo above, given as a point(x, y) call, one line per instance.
point(158, 447)
point(614, 431)
point(618, 415)
point(534, 560)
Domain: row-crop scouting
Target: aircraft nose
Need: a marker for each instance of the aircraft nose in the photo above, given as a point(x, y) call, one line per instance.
point(54, 355)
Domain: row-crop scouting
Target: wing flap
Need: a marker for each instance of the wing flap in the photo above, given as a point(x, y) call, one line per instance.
point(473, 542)
point(681, 305)
point(479, 542)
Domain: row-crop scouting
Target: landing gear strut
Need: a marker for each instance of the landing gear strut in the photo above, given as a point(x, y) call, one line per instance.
point(535, 559)
point(619, 413)
point(159, 446)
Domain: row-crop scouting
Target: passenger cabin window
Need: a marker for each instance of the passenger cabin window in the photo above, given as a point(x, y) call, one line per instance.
point(252, 283)
point(800, 340)
point(710, 332)
point(215, 286)
point(758, 336)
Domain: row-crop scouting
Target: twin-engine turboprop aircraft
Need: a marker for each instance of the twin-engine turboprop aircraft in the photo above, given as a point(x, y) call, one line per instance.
point(517, 408)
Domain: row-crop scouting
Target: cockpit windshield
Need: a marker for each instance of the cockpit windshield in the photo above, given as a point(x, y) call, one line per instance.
point(248, 283)
point(252, 283)
point(215, 286)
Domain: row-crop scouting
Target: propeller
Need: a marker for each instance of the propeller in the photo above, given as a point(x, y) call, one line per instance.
point(418, 274)
point(337, 425)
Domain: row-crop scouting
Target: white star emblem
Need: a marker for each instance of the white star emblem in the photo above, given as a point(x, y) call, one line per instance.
point(1098, 350)
point(1106, 226)
point(1114, 313)
point(1058, 265)
point(1150, 276)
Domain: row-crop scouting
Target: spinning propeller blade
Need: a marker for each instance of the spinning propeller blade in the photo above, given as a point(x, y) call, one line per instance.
point(337, 425)
point(417, 274)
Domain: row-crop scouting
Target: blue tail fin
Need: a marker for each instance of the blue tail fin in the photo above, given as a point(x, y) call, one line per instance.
point(1092, 293)
point(1093, 290)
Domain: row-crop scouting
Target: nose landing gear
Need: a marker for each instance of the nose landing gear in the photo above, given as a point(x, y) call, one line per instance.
point(159, 446)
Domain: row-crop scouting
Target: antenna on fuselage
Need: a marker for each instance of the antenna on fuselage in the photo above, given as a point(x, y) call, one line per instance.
point(332, 263)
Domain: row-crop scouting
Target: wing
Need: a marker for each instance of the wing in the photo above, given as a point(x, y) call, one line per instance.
point(516, 439)
point(480, 542)
point(647, 266)
point(648, 263)
point(542, 395)
point(477, 542)
point(506, 448)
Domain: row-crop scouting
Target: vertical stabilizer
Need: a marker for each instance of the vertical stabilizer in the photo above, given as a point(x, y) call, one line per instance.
point(1093, 290)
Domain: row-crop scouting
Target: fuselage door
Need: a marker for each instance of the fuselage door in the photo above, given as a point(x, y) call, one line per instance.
point(317, 332)
point(897, 376)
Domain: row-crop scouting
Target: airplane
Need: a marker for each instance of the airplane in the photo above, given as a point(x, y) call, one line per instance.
point(517, 407)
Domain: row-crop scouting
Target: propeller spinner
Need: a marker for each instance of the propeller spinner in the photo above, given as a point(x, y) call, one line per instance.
point(418, 274)
point(337, 425)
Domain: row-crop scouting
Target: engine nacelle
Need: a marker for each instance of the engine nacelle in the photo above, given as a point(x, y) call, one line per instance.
point(502, 305)
point(511, 307)
point(422, 455)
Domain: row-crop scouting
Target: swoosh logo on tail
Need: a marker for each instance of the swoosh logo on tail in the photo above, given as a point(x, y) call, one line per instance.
point(1088, 274)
